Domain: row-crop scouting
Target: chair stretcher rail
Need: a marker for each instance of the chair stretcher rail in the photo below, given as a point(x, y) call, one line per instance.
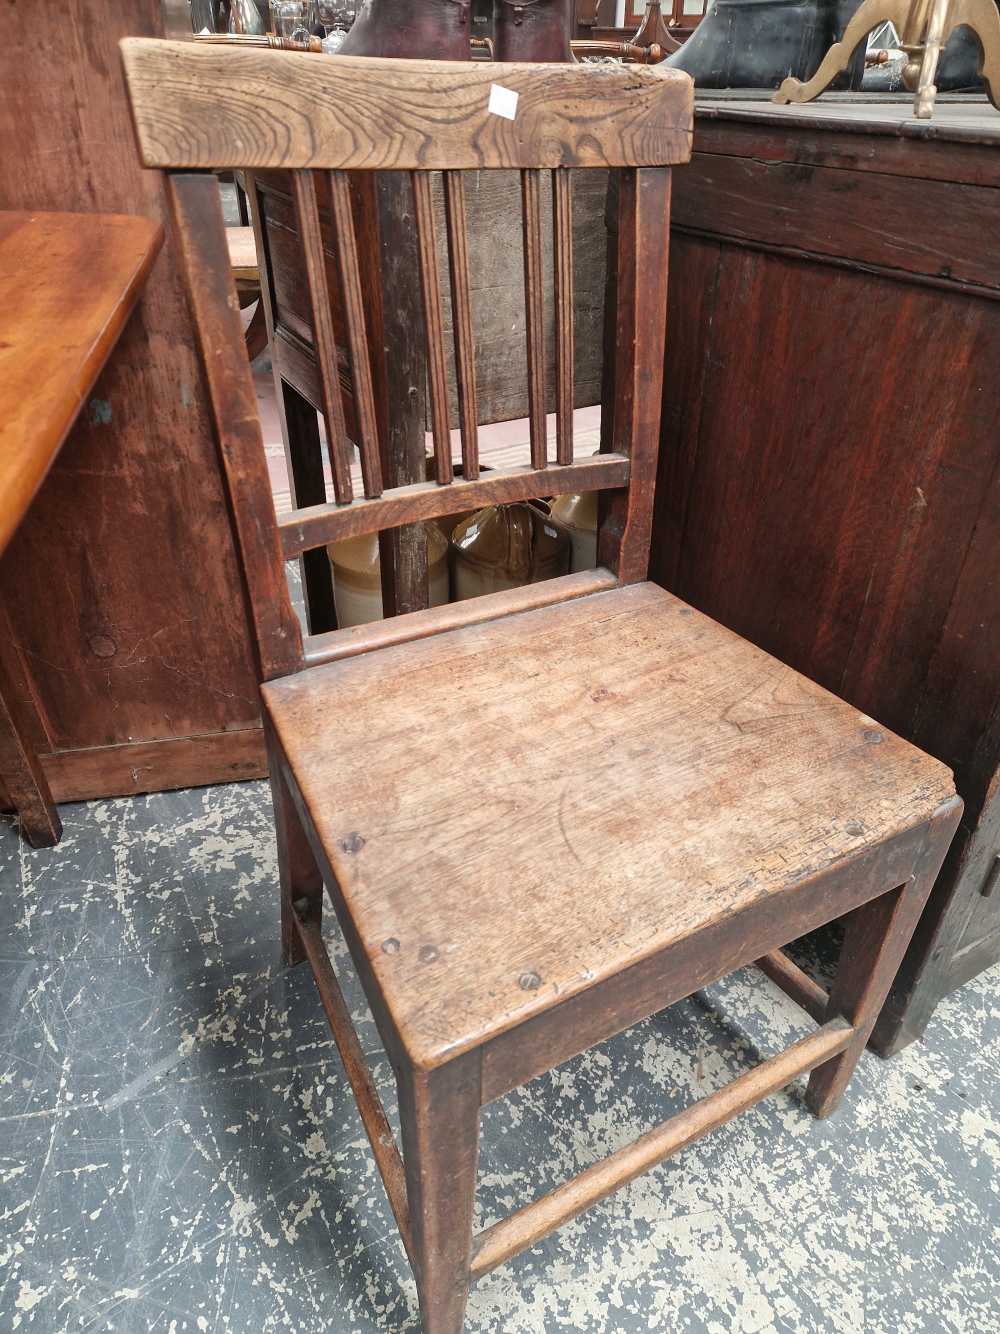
point(377, 1127)
point(529, 1225)
point(806, 993)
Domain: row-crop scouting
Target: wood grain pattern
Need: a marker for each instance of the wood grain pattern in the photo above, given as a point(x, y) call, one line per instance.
point(439, 1120)
point(24, 781)
point(353, 311)
point(155, 766)
point(461, 307)
point(68, 283)
point(535, 1221)
point(324, 340)
point(590, 1016)
point(374, 635)
point(703, 726)
point(427, 500)
point(200, 236)
point(197, 108)
point(534, 308)
point(562, 246)
point(866, 218)
point(882, 586)
point(625, 518)
point(129, 528)
point(430, 287)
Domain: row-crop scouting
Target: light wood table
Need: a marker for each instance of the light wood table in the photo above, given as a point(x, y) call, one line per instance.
point(68, 283)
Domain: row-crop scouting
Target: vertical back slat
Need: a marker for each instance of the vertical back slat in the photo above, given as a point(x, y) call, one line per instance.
point(353, 313)
point(461, 314)
point(200, 238)
point(626, 516)
point(430, 284)
point(311, 238)
point(534, 309)
point(562, 246)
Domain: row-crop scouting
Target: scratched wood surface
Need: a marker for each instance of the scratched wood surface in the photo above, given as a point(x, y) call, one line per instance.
point(67, 285)
point(121, 584)
point(829, 483)
point(204, 107)
point(630, 772)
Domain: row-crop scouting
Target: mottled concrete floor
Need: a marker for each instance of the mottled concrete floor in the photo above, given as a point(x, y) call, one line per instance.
point(180, 1150)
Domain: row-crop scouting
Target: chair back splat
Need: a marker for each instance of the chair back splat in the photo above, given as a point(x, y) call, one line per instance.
point(201, 109)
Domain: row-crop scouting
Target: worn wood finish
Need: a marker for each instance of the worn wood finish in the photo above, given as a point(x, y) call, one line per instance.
point(439, 1119)
point(436, 620)
point(534, 307)
point(199, 234)
point(795, 983)
point(640, 990)
point(353, 311)
point(373, 1116)
point(415, 504)
point(299, 876)
point(883, 588)
point(529, 1225)
point(461, 306)
point(68, 283)
point(562, 246)
point(799, 757)
point(430, 286)
point(502, 905)
point(205, 109)
point(25, 785)
point(155, 766)
point(626, 517)
point(876, 938)
point(324, 341)
point(129, 528)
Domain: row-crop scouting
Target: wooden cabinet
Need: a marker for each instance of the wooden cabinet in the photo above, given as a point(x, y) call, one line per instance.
point(121, 584)
point(828, 479)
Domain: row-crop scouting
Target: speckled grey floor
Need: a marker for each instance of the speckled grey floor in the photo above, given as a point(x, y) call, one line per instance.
point(180, 1150)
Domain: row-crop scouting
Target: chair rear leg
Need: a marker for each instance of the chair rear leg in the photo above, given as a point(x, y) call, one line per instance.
point(874, 944)
point(439, 1119)
point(297, 870)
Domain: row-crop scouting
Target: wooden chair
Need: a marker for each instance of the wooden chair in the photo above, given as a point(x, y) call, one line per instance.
point(544, 814)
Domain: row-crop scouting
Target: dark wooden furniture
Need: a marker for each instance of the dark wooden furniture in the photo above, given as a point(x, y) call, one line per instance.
point(68, 284)
point(542, 814)
point(828, 480)
point(129, 637)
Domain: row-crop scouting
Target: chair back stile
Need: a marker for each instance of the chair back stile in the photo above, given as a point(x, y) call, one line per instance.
point(419, 117)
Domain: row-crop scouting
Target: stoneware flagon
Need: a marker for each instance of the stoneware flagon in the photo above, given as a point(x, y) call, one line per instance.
point(357, 575)
point(507, 546)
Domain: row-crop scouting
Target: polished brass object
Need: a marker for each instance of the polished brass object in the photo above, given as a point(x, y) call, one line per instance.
point(924, 26)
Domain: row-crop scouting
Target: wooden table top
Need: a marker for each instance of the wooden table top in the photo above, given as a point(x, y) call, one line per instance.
point(68, 283)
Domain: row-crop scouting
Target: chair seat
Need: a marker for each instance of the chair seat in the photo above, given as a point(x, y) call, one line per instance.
point(561, 793)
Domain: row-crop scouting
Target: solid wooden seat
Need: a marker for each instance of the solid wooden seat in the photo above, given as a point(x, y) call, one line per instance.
point(544, 814)
point(641, 775)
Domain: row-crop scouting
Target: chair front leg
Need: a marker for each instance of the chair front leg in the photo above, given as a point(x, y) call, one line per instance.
point(298, 873)
point(439, 1118)
point(876, 939)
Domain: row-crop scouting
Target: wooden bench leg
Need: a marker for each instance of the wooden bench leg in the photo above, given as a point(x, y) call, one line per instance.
point(22, 772)
point(298, 873)
point(874, 944)
point(439, 1118)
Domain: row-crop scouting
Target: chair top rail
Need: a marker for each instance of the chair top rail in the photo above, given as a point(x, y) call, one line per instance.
point(209, 108)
